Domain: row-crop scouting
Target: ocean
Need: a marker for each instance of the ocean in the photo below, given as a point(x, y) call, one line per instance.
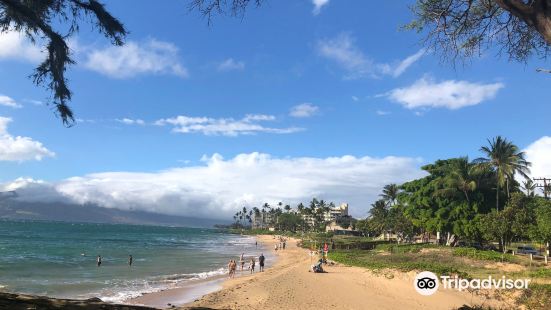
point(59, 259)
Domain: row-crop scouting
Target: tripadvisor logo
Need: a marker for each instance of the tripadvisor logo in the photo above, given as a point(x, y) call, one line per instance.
point(426, 283)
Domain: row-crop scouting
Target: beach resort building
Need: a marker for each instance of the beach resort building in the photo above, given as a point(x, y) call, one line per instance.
point(330, 215)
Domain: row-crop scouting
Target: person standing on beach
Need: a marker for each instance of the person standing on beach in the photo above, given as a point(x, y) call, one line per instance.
point(261, 262)
point(98, 260)
point(242, 261)
point(256, 244)
point(230, 268)
point(130, 259)
point(253, 263)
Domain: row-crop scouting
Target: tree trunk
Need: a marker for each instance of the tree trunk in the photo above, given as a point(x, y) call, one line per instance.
point(535, 15)
point(451, 240)
point(497, 196)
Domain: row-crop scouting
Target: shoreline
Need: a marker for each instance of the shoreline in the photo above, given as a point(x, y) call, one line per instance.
point(288, 284)
point(196, 289)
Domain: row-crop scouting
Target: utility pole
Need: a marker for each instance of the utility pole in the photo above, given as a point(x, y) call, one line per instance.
point(546, 183)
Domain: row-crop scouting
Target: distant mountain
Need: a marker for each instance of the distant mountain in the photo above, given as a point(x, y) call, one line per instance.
point(12, 208)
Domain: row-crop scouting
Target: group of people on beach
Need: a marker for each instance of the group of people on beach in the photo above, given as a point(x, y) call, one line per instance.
point(232, 265)
point(99, 260)
point(281, 244)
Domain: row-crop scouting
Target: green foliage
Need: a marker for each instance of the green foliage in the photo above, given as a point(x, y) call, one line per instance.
point(484, 255)
point(537, 296)
point(542, 230)
point(36, 20)
point(397, 261)
point(290, 222)
point(463, 29)
point(541, 273)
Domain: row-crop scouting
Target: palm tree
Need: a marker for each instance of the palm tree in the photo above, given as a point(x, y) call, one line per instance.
point(390, 193)
point(461, 177)
point(256, 213)
point(300, 208)
point(378, 216)
point(506, 160)
point(287, 208)
point(529, 188)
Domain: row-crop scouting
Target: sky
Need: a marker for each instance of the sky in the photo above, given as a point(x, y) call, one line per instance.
point(297, 99)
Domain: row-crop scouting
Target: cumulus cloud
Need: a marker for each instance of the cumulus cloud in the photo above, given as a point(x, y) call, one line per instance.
point(304, 110)
point(539, 154)
point(9, 102)
point(248, 125)
point(318, 4)
point(342, 49)
point(14, 45)
point(17, 148)
point(231, 64)
point(450, 94)
point(133, 58)
point(217, 187)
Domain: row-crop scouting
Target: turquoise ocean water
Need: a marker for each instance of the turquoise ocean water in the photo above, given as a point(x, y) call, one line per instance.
point(59, 259)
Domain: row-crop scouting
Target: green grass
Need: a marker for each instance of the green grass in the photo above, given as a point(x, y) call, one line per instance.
point(484, 255)
point(541, 273)
point(399, 261)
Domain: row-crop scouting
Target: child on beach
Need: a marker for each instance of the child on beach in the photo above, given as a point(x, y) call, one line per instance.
point(253, 262)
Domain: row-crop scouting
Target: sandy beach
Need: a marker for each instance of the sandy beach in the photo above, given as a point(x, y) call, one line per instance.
point(289, 285)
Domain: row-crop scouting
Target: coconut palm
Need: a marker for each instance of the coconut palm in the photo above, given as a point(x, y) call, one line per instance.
point(529, 188)
point(300, 208)
point(390, 194)
point(506, 160)
point(460, 177)
point(287, 208)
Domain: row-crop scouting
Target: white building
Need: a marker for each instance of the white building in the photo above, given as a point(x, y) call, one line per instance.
point(331, 215)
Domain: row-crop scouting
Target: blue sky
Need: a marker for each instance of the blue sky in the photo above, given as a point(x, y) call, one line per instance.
point(340, 69)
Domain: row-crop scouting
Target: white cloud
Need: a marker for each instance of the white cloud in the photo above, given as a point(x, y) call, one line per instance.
point(14, 45)
point(382, 113)
point(9, 102)
point(231, 64)
point(450, 94)
point(402, 66)
point(19, 148)
point(216, 188)
point(318, 4)
point(304, 110)
point(129, 121)
point(131, 59)
point(343, 50)
point(539, 154)
point(248, 125)
point(355, 98)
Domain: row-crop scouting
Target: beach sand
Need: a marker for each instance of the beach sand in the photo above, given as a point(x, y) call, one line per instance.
point(288, 285)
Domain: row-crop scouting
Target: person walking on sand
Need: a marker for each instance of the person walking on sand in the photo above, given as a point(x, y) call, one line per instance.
point(275, 247)
point(130, 259)
point(253, 263)
point(261, 262)
point(98, 260)
point(230, 267)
